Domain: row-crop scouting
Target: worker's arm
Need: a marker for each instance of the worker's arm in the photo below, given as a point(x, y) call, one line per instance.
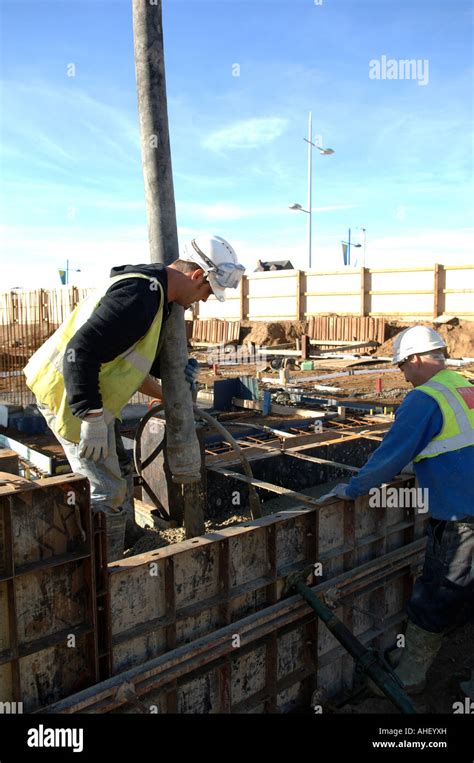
point(417, 421)
point(123, 316)
point(151, 388)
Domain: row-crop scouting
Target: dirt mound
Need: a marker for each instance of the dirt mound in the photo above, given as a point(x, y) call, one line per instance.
point(271, 334)
point(459, 337)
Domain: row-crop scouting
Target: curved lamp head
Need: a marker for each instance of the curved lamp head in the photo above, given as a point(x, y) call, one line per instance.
point(295, 206)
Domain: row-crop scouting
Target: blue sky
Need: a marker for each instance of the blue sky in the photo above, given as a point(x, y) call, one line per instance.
point(403, 163)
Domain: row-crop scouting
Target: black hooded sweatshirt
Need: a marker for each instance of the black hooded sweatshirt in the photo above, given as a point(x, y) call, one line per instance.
point(123, 316)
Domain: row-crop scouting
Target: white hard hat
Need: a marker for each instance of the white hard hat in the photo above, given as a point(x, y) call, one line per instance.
point(416, 340)
point(218, 260)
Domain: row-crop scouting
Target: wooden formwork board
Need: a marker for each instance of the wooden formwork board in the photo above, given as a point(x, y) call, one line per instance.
point(349, 327)
point(215, 331)
point(189, 593)
point(48, 640)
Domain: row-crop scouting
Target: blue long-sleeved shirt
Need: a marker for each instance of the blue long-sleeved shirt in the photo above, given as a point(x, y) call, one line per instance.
point(448, 477)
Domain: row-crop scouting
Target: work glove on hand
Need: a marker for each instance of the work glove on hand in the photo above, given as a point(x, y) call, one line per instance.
point(191, 372)
point(339, 491)
point(93, 443)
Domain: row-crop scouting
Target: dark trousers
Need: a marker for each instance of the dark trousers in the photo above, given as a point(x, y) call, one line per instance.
point(444, 593)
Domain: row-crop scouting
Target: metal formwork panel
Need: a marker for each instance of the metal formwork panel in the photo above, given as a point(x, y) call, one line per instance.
point(48, 640)
point(205, 626)
point(284, 654)
point(182, 597)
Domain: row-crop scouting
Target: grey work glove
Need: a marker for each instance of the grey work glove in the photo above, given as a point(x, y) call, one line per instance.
point(93, 443)
point(191, 372)
point(339, 491)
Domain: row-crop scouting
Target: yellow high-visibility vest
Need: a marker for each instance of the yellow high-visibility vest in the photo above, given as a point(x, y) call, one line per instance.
point(455, 397)
point(119, 379)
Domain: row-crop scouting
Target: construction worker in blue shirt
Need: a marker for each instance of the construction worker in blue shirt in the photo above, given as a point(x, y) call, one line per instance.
point(434, 429)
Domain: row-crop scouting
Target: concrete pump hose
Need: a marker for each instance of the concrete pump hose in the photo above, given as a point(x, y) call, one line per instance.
point(254, 502)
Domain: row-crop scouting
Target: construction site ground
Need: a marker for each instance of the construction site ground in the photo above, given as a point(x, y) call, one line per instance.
point(394, 386)
point(453, 665)
point(457, 332)
point(383, 385)
point(458, 335)
point(455, 661)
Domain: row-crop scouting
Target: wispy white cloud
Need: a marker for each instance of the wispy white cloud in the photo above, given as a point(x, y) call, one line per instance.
point(118, 204)
point(203, 181)
point(227, 211)
point(35, 162)
point(400, 213)
point(423, 247)
point(96, 251)
point(43, 144)
point(247, 133)
point(93, 251)
point(335, 207)
point(67, 125)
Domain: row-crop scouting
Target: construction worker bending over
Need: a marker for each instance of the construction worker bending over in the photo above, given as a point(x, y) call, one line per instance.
point(434, 428)
point(108, 349)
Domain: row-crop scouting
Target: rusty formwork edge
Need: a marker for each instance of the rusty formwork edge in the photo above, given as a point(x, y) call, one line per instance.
point(213, 653)
point(166, 669)
point(47, 590)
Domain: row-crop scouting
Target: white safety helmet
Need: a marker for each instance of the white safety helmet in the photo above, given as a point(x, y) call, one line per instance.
point(218, 260)
point(416, 340)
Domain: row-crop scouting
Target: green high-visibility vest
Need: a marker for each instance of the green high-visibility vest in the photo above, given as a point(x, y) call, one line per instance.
point(455, 397)
point(119, 379)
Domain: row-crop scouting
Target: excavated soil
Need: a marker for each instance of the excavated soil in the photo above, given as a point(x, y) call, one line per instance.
point(458, 335)
point(271, 334)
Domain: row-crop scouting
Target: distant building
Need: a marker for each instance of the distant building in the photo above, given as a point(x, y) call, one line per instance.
point(273, 265)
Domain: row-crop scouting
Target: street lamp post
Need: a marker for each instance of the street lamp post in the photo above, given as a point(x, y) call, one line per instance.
point(69, 270)
point(347, 253)
point(323, 152)
point(310, 178)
